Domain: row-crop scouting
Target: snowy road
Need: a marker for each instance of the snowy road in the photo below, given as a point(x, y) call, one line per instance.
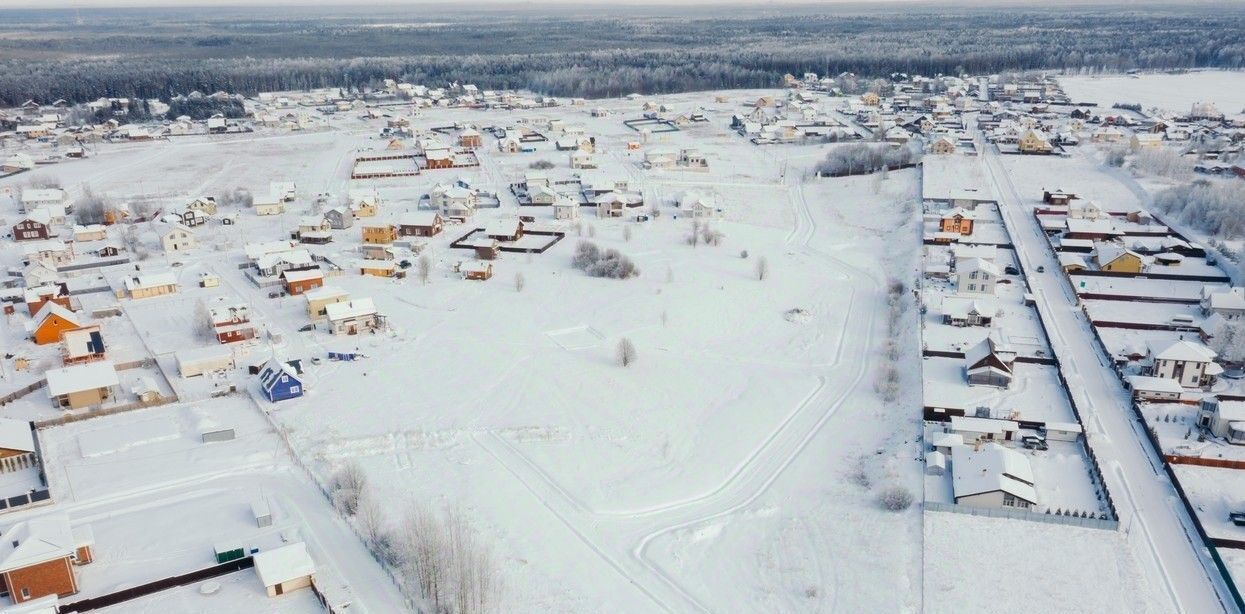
point(1150, 514)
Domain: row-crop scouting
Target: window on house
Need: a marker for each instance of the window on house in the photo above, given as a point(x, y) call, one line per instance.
point(25, 592)
point(972, 287)
point(294, 389)
point(972, 275)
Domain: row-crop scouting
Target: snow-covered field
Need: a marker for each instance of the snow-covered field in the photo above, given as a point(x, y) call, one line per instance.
point(975, 564)
point(1174, 92)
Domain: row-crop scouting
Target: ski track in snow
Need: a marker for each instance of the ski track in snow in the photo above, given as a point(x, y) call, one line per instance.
point(635, 530)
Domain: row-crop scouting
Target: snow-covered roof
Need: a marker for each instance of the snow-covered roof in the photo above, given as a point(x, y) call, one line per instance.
point(1146, 383)
point(303, 275)
point(36, 195)
point(419, 218)
point(960, 307)
point(153, 280)
point(1099, 226)
point(355, 308)
point(77, 378)
point(51, 308)
point(1232, 411)
point(39, 540)
point(255, 251)
point(973, 424)
point(16, 435)
point(1184, 350)
point(970, 265)
point(284, 564)
point(989, 469)
point(324, 292)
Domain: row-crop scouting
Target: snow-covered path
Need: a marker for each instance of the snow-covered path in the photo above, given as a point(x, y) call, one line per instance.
point(1150, 514)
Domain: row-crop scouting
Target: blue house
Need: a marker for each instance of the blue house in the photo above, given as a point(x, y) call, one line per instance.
point(279, 381)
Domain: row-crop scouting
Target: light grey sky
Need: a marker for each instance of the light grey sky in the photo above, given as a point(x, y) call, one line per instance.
point(25, 4)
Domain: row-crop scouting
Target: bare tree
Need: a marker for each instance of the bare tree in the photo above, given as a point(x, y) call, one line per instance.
point(896, 498)
point(626, 233)
point(626, 352)
point(90, 207)
point(424, 268)
point(203, 317)
point(346, 487)
point(762, 270)
point(519, 282)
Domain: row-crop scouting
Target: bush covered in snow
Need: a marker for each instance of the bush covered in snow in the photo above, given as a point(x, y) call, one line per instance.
point(862, 158)
point(1217, 209)
point(598, 262)
point(896, 498)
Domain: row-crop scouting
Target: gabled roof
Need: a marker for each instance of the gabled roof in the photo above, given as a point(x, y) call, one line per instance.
point(350, 309)
point(50, 309)
point(1183, 350)
point(39, 540)
point(989, 469)
point(77, 378)
point(284, 564)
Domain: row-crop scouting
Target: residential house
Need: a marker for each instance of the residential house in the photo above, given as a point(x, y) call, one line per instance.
point(453, 200)
point(314, 229)
point(420, 224)
point(477, 270)
point(976, 276)
point(943, 145)
point(1228, 303)
point(992, 476)
point(1086, 210)
point(505, 230)
point(1190, 363)
point(231, 323)
point(35, 198)
point(178, 238)
point(339, 218)
point(1161, 389)
point(51, 252)
point(353, 316)
point(1115, 258)
point(1145, 140)
point(958, 220)
point(320, 298)
point(280, 381)
point(990, 363)
point(38, 556)
point(83, 344)
point(380, 234)
point(965, 311)
point(34, 226)
point(89, 233)
point(203, 204)
point(698, 206)
point(299, 281)
point(52, 321)
point(1058, 198)
point(565, 209)
point(147, 286)
point(1223, 418)
point(84, 385)
point(1033, 142)
point(268, 204)
point(37, 296)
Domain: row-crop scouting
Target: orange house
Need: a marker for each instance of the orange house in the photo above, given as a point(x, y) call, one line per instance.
point(298, 282)
point(380, 235)
point(957, 221)
point(52, 321)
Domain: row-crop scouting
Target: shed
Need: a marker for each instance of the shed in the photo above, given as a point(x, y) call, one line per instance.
point(285, 569)
point(262, 512)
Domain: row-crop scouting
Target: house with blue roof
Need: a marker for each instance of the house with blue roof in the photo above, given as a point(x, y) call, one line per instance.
point(280, 381)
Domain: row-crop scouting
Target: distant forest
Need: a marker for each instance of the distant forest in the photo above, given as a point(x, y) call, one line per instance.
point(81, 56)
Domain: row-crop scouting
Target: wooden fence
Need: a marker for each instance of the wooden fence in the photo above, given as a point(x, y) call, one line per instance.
point(142, 590)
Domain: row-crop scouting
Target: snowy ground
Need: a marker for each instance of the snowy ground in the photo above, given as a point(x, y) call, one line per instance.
point(974, 564)
point(1176, 92)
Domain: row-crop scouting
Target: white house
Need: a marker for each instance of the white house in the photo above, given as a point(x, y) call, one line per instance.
point(1224, 419)
point(178, 238)
point(353, 316)
point(992, 477)
point(1189, 363)
point(976, 276)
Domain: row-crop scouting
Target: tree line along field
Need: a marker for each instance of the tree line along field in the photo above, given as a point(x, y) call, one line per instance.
point(78, 56)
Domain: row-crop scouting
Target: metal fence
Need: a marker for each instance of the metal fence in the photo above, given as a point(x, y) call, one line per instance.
point(1017, 514)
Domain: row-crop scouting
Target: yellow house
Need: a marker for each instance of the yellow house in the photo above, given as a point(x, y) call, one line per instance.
point(320, 298)
point(870, 99)
point(147, 286)
point(380, 234)
point(1116, 259)
point(378, 268)
point(1034, 142)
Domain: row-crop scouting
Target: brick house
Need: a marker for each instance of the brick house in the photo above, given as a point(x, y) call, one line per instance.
point(37, 557)
point(420, 224)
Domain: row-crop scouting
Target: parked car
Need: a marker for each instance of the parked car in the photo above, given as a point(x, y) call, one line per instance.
point(1011, 270)
point(1033, 442)
point(306, 328)
point(1237, 518)
point(1041, 268)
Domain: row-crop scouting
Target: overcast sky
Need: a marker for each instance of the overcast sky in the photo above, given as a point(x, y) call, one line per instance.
point(460, 3)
